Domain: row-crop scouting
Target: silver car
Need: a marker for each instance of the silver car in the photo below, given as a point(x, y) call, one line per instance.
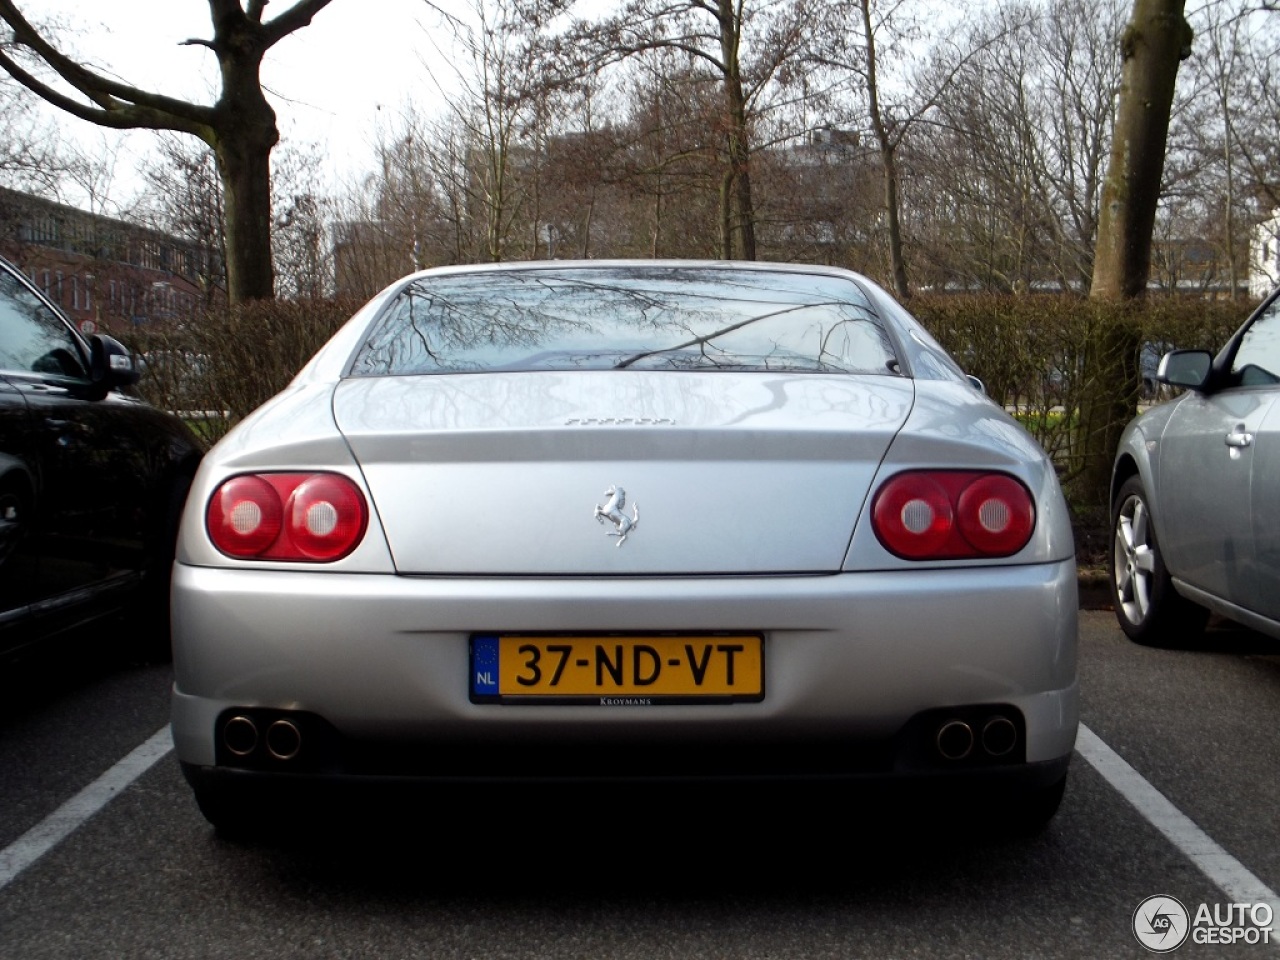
point(1203, 472)
point(626, 522)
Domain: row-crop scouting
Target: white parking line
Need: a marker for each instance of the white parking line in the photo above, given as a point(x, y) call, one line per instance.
point(1226, 872)
point(51, 831)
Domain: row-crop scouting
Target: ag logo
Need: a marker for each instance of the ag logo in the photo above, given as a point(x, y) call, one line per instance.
point(1161, 924)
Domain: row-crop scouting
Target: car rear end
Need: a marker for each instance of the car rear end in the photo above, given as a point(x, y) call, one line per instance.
point(625, 575)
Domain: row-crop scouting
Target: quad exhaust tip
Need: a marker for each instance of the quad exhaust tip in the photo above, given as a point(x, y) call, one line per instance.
point(242, 738)
point(240, 734)
point(957, 740)
point(283, 740)
point(999, 736)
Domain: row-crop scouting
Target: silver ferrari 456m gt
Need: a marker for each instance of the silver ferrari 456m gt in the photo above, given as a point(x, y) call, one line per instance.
point(626, 522)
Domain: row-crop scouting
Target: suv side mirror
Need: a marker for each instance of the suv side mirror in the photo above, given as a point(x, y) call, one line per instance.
point(110, 364)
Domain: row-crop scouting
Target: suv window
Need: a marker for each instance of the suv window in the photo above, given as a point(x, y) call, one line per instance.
point(33, 338)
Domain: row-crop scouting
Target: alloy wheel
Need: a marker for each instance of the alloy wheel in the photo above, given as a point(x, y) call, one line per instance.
point(1134, 559)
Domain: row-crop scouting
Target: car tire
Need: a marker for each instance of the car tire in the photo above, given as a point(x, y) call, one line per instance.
point(1150, 610)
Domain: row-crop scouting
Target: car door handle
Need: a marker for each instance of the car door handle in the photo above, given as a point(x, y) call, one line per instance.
point(1239, 438)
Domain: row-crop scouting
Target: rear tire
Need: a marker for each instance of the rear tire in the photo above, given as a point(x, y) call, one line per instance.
point(1150, 610)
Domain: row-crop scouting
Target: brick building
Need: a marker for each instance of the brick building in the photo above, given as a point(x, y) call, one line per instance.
point(106, 274)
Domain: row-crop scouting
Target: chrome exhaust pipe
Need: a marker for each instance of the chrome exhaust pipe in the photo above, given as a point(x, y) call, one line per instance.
point(240, 736)
point(283, 740)
point(999, 736)
point(955, 740)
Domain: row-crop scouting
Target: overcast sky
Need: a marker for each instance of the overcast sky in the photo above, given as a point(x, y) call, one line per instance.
point(332, 82)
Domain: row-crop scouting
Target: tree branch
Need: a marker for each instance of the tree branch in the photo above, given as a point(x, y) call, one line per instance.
point(118, 105)
point(295, 18)
point(110, 112)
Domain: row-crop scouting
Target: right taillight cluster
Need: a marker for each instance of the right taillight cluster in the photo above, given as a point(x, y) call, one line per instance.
point(953, 515)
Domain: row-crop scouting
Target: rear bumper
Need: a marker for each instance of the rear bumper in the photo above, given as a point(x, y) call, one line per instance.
point(271, 793)
point(861, 670)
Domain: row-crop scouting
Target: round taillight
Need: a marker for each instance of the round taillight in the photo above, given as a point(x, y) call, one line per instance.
point(952, 515)
point(913, 516)
point(244, 516)
point(326, 516)
point(996, 515)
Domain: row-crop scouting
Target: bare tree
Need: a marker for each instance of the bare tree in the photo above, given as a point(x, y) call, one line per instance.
point(885, 30)
point(665, 160)
point(713, 36)
point(1015, 152)
point(31, 154)
point(487, 153)
point(1222, 173)
point(183, 197)
point(301, 210)
point(240, 127)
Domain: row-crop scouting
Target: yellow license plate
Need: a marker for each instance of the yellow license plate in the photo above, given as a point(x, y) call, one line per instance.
point(617, 671)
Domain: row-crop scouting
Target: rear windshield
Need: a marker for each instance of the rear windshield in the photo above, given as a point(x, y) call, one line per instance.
point(603, 318)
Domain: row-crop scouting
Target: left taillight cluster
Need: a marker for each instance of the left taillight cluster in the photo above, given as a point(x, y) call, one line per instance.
point(953, 515)
point(309, 517)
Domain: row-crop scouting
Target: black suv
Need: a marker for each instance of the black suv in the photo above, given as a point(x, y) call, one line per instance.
point(92, 481)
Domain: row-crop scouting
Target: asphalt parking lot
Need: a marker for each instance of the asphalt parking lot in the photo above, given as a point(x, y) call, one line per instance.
point(1172, 794)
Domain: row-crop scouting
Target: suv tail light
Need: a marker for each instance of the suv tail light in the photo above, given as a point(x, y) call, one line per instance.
point(952, 515)
point(313, 517)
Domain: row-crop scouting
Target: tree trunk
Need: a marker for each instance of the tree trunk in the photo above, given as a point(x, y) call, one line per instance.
point(888, 159)
point(244, 133)
point(897, 259)
point(245, 169)
point(1156, 40)
point(737, 209)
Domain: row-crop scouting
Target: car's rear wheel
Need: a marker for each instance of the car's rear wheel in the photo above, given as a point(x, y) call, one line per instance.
point(1150, 610)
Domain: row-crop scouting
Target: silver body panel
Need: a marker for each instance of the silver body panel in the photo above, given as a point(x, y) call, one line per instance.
point(733, 473)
